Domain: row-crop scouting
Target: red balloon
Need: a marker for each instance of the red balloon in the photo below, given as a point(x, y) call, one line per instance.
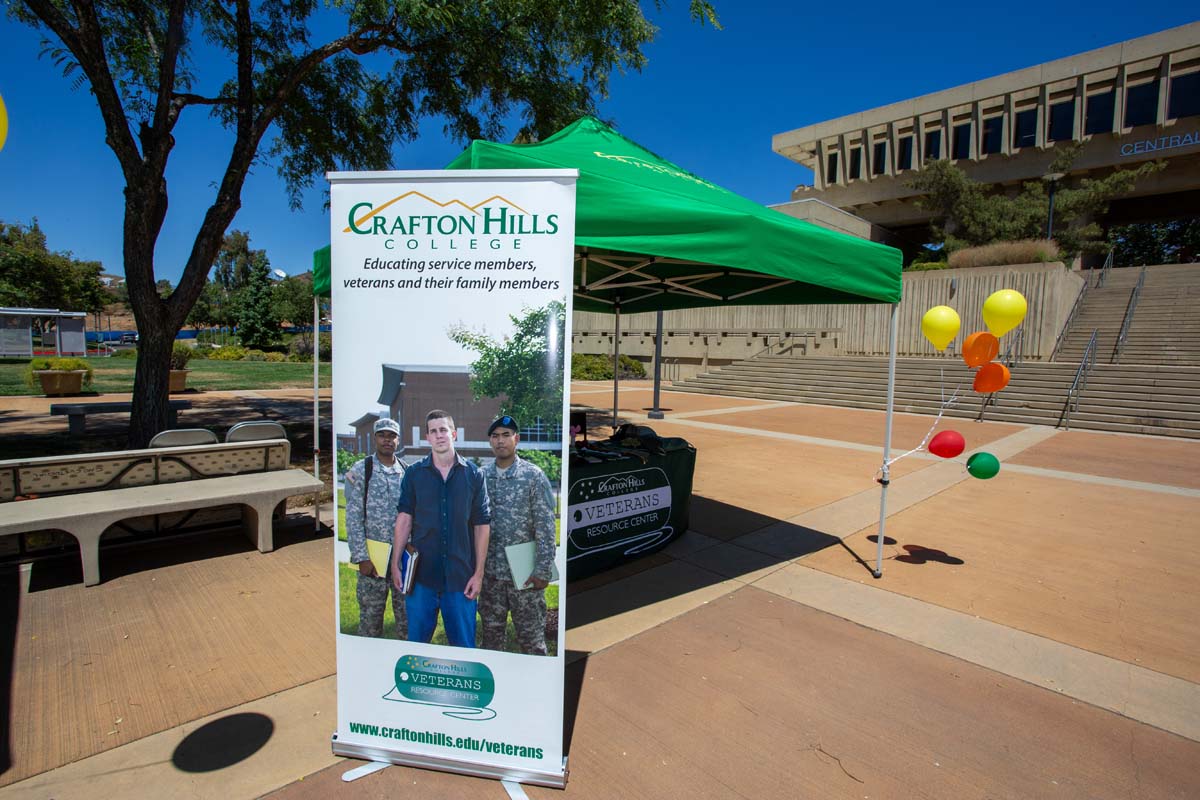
point(947, 444)
point(991, 378)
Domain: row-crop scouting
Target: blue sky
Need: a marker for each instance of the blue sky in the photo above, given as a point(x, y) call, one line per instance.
point(708, 100)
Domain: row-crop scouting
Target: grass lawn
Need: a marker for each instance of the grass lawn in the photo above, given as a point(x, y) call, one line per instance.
point(116, 375)
point(348, 611)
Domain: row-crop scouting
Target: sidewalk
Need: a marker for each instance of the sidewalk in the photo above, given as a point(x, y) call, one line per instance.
point(1034, 635)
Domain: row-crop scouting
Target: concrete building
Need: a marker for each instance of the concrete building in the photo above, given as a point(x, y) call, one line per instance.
point(1126, 103)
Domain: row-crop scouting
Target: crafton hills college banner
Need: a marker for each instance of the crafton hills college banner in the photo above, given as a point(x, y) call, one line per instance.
point(418, 260)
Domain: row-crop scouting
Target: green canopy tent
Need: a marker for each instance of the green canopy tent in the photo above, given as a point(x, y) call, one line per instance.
point(651, 236)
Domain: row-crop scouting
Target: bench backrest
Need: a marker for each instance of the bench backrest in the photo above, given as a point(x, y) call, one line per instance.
point(89, 472)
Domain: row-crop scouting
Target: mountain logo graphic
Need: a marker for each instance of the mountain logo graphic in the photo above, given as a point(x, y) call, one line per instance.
point(356, 224)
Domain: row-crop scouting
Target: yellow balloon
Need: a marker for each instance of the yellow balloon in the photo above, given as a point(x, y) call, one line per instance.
point(940, 324)
point(3, 123)
point(1004, 310)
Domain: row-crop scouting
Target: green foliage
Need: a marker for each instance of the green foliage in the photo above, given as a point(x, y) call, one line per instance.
point(230, 352)
point(347, 459)
point(257, 325)
point(181, 354)
point(275, 358)
point(1174, 242)
point(293, 301)
point(129, 353)
point(596, 367)
point(970, 213)
point(523, 369)
point(549, 463)
point(32, 276)
point(58, 365)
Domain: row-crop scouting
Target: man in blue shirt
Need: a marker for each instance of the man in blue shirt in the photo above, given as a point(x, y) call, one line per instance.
point(444, 510)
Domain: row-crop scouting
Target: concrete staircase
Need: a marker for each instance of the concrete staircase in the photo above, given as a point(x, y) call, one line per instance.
point(1166, 323)
point(1131, 399)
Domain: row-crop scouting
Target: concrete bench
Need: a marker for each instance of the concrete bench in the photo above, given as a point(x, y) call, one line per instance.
point(87, 493)
point(76, 413)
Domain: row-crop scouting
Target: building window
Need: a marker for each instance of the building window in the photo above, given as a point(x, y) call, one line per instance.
point(831, 166)
point(905, 159)
point(993, 133)
point(855, 163)
point(1025, 128)
point(962, 141)
point(879, 158)
point(1062, 121)
point(1099, 112)
point(1141, 104)
point(1185, 96)
point(933, 145)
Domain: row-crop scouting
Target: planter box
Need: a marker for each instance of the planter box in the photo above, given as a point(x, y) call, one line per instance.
point(57, 382)
point(177, 382)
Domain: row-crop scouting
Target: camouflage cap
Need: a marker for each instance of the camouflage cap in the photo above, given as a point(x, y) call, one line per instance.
point(387, 425)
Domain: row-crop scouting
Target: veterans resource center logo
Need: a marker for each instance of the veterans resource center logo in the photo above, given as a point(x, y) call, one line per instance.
point(464, 687)
point(629, 510)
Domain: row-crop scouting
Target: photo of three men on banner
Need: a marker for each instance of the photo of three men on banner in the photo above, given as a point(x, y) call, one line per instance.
point(449, 383)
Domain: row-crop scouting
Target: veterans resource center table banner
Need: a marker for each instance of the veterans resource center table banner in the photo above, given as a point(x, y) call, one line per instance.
point(417, 257)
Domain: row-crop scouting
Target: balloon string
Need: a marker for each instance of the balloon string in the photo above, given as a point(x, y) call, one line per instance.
point(946, 403)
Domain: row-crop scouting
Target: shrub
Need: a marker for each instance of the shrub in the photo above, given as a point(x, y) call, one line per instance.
point(275, 358)
point(127, 353)
point(347, 459)
point(591, 367)
point(254, 355)
point(57, 364)
point(300, 347)
point(998, 254)
point(230, 352)
point(549, 463)
point(181, 354)
point(922, 266)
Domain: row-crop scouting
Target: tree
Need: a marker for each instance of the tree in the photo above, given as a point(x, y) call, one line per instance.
point(205, 312)
point(33, 276)
point(292, 299)
point(339, 103)
point(236, 261)
point(256, 321)
point(970, 213)
point(1176, 241)
point(521, 369)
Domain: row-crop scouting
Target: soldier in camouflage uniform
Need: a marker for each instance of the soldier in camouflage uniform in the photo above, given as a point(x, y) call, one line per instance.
point(383, 492)
point(522, 511)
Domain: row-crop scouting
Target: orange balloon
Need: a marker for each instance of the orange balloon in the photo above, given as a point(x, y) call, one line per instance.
point(991, 378)
point(979, 348)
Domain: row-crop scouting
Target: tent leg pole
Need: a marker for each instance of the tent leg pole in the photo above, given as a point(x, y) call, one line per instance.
point(616, 363)
point(885, 477)
point(656, 411)
point(316, 346)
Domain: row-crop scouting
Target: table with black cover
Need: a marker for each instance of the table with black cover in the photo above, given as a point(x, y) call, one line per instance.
point(630, 504)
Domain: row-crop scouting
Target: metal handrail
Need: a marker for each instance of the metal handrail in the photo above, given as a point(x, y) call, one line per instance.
point(1083, 290)
point(1080, 383)
point(1130, 308)
point(1013, 352)
point(1103, 276)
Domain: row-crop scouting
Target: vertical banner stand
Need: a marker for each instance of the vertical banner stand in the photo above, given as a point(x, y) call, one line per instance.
point(885, 478)
point(616, 359)
point(316, 346)
point(656, 411)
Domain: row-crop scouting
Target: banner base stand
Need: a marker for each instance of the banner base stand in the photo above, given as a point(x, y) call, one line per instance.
point(385, 757)
point(364, 771)
point(515, 792)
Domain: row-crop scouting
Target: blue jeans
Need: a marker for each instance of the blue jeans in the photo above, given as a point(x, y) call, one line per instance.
point(458, 616)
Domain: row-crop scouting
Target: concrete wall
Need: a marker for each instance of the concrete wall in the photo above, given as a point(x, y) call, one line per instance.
point(697, 339)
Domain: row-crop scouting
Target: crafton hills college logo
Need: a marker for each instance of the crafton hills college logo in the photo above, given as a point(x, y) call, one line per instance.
point(415, 214)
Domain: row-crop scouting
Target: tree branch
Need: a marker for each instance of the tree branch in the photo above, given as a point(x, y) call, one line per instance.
point(86, 43)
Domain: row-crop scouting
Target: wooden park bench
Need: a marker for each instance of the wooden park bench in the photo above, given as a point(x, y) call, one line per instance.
point(86, 494)
point(76, 413)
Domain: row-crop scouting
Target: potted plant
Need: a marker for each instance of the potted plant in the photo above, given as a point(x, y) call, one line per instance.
point(181, 354)
point(59, 376)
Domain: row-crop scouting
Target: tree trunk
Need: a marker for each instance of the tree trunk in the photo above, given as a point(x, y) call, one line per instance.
point(150, 385)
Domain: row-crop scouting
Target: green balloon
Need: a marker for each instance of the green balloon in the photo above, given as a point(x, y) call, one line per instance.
point(983, 465)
